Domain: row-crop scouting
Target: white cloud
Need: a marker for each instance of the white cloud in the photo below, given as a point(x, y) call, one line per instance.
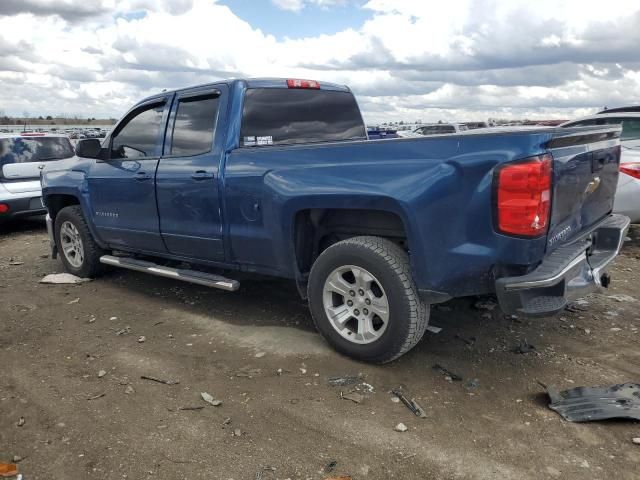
point(468, 59)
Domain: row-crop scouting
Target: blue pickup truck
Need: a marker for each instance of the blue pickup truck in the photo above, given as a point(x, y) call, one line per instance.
point(278, 177)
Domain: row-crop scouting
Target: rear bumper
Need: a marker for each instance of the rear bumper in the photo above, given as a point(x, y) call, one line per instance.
point(569, 272)
point(22, 206)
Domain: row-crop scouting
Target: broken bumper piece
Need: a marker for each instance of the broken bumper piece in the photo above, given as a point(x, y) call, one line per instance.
point(585, 404)
point(569, 272)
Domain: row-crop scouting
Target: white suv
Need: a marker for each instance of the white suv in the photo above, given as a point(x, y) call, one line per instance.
point(21, 159)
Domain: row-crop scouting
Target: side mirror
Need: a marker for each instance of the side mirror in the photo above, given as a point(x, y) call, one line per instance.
point(88, 148)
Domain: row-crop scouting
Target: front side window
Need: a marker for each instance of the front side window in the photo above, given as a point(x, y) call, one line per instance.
point(278, 116)
point(194, 125)
point(138, 137)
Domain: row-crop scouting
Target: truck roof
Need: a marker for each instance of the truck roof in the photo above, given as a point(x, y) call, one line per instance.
point(265, 82)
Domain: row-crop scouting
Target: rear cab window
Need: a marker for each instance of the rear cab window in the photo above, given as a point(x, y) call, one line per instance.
point(194, 125)
point(288, 116)
point(33, 150)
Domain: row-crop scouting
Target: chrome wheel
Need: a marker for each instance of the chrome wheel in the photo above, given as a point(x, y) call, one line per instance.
point(356, 304)
point(71, 244)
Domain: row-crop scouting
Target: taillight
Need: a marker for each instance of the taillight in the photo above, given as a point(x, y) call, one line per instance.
point(632, 169)
point(523, 196)
point(298, 83)
point(4, 208)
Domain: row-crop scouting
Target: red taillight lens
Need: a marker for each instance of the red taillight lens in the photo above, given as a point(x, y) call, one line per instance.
point(4, 208)
point(523, 196)
point(298, 83)
point(632, 169)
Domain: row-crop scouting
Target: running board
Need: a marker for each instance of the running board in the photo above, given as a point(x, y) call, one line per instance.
point(191, 276)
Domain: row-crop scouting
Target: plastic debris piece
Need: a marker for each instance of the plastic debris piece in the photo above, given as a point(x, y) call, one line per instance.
point(95, 397)
point(524, 347)
point(160, 380)
point(434, 329)
point(585, 404)
point(102, 373)
point(8, 469)
point(142, 339)
point(353, 396)
point(411, 404)
point(329, 467)
point(401, 427)
point(21, 421)
point(63, 278)
point(344, 380)
point(210, 400)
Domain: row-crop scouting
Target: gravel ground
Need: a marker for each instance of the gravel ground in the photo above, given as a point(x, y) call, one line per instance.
point(72, 359)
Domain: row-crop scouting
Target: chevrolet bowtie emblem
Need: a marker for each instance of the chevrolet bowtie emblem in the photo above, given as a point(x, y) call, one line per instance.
point(592, 186)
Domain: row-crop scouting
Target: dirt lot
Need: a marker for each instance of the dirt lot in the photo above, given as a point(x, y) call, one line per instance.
point(256, 351)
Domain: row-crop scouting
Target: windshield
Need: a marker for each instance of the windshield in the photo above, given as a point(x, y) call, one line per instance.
point(34, 149)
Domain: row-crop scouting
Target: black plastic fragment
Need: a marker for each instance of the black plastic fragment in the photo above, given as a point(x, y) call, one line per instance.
point(585, 404)
point(443, 371)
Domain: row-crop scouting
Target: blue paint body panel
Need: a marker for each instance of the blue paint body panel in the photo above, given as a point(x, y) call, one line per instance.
point(441, 187)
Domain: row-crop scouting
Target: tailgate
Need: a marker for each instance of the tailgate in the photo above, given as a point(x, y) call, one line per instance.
point(586, 161)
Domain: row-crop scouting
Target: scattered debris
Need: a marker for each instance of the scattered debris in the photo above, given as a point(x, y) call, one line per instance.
point(621, 297)
point(411, 404)
point(15, 264)
point(8, 469)
point(95, 397)
point(449, 376)
point(102, 373)
point(524, 347)
point(401, 427)
point(142, 339)
point(17, 459)
point(210, 400)
point(353, 396)
point(344, 380)
point(227, 421)
point(113, 318)
point(63, 278)
point(433, 329)
point(260, 354)
point(199, 407)
point(263, 470)
point(160, 380)
point(237, 432)
point(124, 331)
point(469, 341)
point(248, 372)
point(584, 404)
point(21, 421)
point(615, 329)
point(577, 306)
point(338, 477)
point(472, 384)
point(636, 440)
point(395, 399)
point(329, 467)
point(73, 301)
point(487, 304)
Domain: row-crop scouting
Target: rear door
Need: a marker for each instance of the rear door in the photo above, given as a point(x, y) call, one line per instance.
point(188, 175)
point(586, 162)
point(122, 188)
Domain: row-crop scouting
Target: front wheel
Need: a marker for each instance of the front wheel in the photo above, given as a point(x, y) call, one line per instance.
point(363, 299)
point(80, 254)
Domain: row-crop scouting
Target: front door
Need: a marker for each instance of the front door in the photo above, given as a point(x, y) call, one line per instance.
point(187, 178)
point(122, 188)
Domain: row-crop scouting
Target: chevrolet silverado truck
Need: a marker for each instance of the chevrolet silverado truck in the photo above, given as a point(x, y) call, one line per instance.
point(278, 177)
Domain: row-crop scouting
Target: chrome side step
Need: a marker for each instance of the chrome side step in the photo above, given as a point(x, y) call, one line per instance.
point(191, 276)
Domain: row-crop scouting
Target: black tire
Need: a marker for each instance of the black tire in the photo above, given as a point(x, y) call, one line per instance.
point(90, 266)
point(389, 264)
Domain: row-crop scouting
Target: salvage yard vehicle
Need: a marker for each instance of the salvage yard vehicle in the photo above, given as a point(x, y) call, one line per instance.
point(278, 177)
point(22, 156)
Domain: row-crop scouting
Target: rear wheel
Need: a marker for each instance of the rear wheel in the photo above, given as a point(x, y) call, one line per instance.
point(79, 252)
point(364, 301)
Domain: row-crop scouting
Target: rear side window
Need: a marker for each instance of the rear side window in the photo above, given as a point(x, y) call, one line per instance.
point(278, 116)
point(630, 129)
point(194, 125)
point(34, 149)
point(139, 135)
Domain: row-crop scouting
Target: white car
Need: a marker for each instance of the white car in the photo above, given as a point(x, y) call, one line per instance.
point(627, 201)
point(22, 156)
point(440, 129)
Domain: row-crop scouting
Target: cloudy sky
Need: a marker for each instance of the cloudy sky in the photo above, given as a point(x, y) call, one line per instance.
point(405, 59)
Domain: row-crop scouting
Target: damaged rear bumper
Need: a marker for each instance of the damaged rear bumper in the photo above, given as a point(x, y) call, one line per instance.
point(569, 272)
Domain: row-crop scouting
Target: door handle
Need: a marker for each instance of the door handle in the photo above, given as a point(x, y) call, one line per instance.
point(202, 175)
point(142, 176)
